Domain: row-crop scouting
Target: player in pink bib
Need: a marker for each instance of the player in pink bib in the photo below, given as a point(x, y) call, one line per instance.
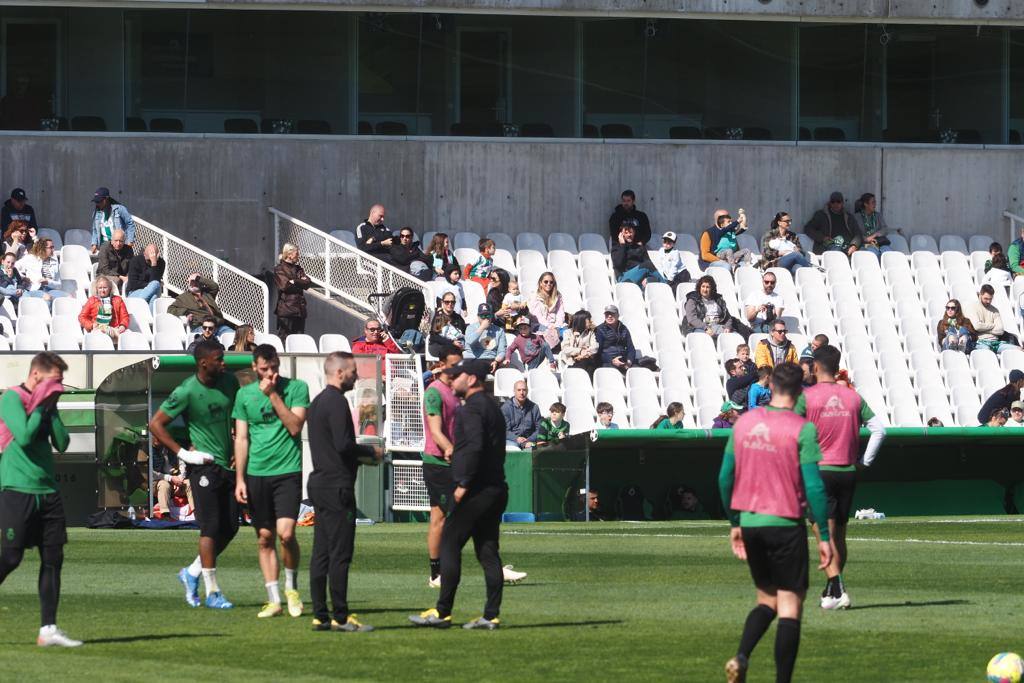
point(838, 412)
point(769, 474)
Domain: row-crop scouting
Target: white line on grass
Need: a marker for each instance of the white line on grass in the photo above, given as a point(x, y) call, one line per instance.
point(925, 541)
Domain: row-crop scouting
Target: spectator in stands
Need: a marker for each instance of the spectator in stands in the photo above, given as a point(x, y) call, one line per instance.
point(727, 417)
point(871, 224)
point(614, 342)
point(444, 334)
point(16, 239)
point(579, 346)
point(987, 321)
point(514, 304)
point(605, 415)
point(743, 356)
point(704, 310)
point(375, 341)
point(207, 332)
point(816, 343)
point(1016, 414)
point(955, 330)
point(480, 271)
point(17, 208)
point(169, 481)
point(1015, 254)
point(935, 422)
point(407, 255)
point(737, 386)
point(41, 268)
point(764, 307)
point(1002, 399)
point(554, 427)
point(994, 249)
point(440, 254)
point(373, 237)
point(245, 339)
point(291, 282)
point(453, 285)
point(522, 418)
point(548, 309)
point(530, 347)
point(997, 418)
point(496, 294)
point(485, 339)
point(114, 259)
point(833, 228)
point(670, 262)
point(711, 237)
point(627, 211)
point(104, 311)
point(198, 301)
point(672, 419)
point(145, 274)
point(776, 348)
point(807, 365)
point(631, 260)
point(107, 216)
point(781, 247)
point(760, 393)
point(728, 248)
point(12, 284)
point(999, 272)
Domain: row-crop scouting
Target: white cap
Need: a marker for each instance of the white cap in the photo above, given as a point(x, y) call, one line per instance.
point(669, 236)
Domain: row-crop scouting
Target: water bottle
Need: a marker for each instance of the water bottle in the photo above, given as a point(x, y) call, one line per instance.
point(131, 512)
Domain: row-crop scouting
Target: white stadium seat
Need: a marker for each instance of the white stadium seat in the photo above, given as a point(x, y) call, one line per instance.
point(300, 343)
point(334, 342)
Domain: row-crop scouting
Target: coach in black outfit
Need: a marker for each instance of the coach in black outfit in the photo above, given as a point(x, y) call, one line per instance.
point(331, 486)
point(481, 494)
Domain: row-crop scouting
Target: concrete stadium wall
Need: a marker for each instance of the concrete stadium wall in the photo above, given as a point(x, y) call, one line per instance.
point(894, 11)
point(213, 190)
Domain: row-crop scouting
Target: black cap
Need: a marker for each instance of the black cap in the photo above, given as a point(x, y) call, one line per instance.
point(478, 368)
point(100, 194)
point(484, 310)
point(1016, 375)
point(19, 194)
point(835, 197)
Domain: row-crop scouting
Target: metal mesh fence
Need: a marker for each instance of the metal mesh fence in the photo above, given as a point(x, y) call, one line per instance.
point(242, 298)
point(404, 385)
point(408, 492)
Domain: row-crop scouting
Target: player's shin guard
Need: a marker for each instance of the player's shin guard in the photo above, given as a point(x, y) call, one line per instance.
point(51, 560)
point(758, 621)
point(787, 643)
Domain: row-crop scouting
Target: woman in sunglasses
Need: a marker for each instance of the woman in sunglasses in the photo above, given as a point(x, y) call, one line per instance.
point(548, 309)
point(955, 330)
point(781, 247)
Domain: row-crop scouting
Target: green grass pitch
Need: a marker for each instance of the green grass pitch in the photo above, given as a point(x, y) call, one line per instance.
point(933, 601)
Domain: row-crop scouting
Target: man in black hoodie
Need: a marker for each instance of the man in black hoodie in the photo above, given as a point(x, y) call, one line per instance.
point(373, 237)
point(407, 255)
point(627, 210)
point(833, 228)
point(17, 208)
point(630, 259)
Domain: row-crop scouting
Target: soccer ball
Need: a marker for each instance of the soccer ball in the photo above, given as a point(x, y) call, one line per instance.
point(1005, 667)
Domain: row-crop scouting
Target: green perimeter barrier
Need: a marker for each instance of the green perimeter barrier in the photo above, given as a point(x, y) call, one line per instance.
point(919, 471)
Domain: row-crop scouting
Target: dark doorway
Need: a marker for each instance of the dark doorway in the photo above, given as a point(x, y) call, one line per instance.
point(30, 74)
point(483, 80)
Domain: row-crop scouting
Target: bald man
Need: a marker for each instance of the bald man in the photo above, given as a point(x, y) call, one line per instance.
point(114, 258)
point(373, 236)
point(145, 273)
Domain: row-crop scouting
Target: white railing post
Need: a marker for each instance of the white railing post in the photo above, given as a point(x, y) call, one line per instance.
point(277, 235)
point(327, 266)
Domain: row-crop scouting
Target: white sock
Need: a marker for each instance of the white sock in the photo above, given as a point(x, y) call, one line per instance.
point(196, 568)
point(210, 579)
point(289, 578)
point(273, 594)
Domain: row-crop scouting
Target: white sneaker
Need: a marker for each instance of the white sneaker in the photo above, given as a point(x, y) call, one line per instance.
point(512, 576)
point(51, 636)
point(842, 602)
point(434, 582)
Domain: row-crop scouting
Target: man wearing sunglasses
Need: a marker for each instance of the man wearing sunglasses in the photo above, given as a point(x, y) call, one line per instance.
point(764, 307)
point(207, 333)
point(407, 255)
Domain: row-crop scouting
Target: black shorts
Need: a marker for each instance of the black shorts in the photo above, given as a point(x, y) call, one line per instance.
point(839, 487)
point(274, 498)
point(213, 490)
point(440, 485)
point(29, 519)
point(777, 556)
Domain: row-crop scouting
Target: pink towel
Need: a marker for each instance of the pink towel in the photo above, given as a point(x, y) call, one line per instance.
point(31, 401)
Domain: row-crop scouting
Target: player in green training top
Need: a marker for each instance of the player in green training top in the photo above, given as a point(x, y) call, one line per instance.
point(204, 400)
point(268, 418)
point(31, 510)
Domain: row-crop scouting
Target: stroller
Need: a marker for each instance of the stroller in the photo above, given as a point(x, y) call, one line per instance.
point(403, 313)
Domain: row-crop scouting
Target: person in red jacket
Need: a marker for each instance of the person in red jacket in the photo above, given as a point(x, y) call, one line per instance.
point(375, 341)
point(104, 312)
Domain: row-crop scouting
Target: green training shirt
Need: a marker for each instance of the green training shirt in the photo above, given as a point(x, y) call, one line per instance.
point(27, 462)
point(433, 404)
point(207, 411)
point(272, 450)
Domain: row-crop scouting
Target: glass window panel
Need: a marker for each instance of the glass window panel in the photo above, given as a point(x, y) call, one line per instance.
point(155, 59)
point(397, 52)
point(839, 82)
point(1016, 67)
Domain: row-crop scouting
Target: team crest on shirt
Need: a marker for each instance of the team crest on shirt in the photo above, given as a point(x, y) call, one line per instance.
point(834, 408)
point(10, 534)
point(759, 438)
point(203, 481)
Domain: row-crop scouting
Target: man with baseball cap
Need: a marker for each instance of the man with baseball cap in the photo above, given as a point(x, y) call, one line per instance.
point(17, 208)
point(479, 499)
point(1016, 415)
point(670, 262)
point(108, 216)
point(614, 342)
point(485, 340)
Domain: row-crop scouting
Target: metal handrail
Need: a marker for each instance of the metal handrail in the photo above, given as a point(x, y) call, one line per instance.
point(340, 269)
point(243, 299)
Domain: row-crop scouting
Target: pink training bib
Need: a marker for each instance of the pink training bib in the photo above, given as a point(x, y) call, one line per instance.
point(835, 412)
point(768, 463)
